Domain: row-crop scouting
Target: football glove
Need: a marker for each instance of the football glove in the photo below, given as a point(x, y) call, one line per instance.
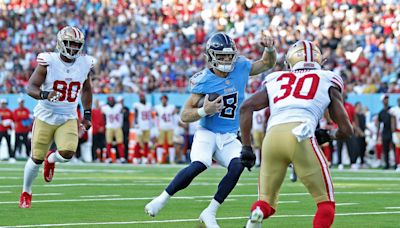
point(322, 136)
point(247, 157)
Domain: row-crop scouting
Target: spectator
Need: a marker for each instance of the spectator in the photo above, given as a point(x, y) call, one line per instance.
point(385, 118)
point(23, 125)
point(98, 133)
point(6, 124)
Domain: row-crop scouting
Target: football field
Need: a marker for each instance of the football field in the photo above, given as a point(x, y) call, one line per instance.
point(97, 195)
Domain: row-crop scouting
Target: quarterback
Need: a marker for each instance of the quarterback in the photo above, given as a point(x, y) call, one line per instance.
point(57, 82)
point(226, 76)
point(297, 99)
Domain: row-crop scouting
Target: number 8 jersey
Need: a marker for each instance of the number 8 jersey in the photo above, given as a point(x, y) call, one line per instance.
point(66, 78)
point(300, 95)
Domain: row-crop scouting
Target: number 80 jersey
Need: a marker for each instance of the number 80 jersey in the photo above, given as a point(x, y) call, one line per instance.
point(65, 78)
point(300, 95)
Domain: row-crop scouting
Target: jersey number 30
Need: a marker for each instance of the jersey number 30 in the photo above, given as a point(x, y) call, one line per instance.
point(298, 86)
point(68, 91)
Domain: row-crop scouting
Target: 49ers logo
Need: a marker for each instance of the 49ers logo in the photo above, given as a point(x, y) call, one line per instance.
point(69, 91)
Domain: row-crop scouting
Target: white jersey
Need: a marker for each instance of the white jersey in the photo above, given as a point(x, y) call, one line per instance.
point(299, 96)
point(143, 115)
point(114, 116)
point(259, 120)
point(395, 111)
point(166, 116)
point(65, 78)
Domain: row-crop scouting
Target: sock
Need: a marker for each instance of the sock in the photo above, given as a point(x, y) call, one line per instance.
point(185, 177)
point(164, 196)
point(229, 181)
point(397, 155)
point(264, 207)
point(56, 157)
point(137, 151)
point(146, 149)
point(159, 151)
point(108, 148)
point(171, 154)
point(258, 159)
point(379, 151)
point(325, 215)
point(121, 150)
point(30, 173)
point(213, 206)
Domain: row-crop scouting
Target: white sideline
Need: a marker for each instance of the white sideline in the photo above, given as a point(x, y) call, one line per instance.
point(193, 220)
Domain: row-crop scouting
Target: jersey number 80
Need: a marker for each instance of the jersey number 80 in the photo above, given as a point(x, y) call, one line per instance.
point(69, 91)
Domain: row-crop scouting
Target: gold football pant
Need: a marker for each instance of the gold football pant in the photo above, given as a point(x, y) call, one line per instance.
point(64, 135)
point(280, 148)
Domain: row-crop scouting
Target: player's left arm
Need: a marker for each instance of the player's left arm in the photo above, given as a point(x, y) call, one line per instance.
point(268, 58)
point(87, 97)
point(256, 102)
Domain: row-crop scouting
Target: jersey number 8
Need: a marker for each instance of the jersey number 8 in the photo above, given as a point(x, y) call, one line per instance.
point(229, 106)
point(298, 86)
point(69, 91)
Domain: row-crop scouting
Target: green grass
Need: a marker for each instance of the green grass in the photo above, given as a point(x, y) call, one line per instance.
point(90, 193)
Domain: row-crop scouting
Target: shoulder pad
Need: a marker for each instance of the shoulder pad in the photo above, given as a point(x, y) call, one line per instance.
point(197, 80)
point(90, 60)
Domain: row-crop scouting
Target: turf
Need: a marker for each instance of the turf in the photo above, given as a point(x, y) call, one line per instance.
point(92, 195)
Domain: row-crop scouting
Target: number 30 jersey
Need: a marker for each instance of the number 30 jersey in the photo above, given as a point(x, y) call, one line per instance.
point(300, 95)
point(65, 78)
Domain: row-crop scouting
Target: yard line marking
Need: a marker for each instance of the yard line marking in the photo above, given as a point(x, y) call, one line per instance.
point(346, 204)
point(5, 192)
point(99, 196)
point(48, 194)
point(63, 170)
point(392, 207)
point(185, 197)
point(368, 178)
point(194, 220)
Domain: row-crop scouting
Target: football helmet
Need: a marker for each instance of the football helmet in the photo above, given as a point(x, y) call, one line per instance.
point(221, 52)
point(70, 41)
point(303, 55)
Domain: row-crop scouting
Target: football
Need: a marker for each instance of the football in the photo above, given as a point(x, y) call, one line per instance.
point(211, 97)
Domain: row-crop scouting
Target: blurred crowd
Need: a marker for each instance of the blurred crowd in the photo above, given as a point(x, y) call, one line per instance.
point(145, 45)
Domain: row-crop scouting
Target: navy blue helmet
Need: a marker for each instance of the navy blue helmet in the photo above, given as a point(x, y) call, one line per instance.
point(221, 52)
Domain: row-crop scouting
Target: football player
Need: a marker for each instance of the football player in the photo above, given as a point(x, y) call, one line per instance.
point(166, 124)
point(395, 112)
point(114, 120)
point(227, 75)
point(143, 122)
point(297, 99)
point(260, 119)
point(57, 82)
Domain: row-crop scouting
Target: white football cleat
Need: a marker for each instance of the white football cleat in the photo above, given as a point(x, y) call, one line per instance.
point(208, 218)
point(256, 219)
point(154, 206)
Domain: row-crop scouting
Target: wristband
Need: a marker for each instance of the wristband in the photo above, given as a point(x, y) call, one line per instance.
point(44, 95)
point(87, 114)
point(201, 112)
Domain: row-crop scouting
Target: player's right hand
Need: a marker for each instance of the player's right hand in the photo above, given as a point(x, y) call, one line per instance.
point(247, 157)
point(54, 96)
point(212, 107)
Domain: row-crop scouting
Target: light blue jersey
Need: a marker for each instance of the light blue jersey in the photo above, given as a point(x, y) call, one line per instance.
point(231, 88)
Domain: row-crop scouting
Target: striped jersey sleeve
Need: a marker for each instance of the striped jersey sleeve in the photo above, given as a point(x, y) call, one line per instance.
point(337, 81)
point(44, 59)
